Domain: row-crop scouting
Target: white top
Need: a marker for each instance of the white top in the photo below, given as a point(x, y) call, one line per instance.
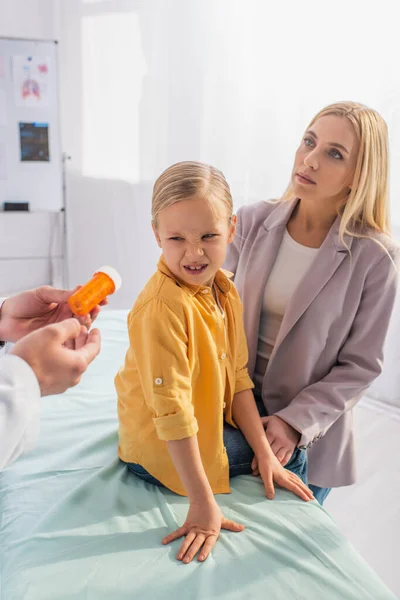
point(292, 262)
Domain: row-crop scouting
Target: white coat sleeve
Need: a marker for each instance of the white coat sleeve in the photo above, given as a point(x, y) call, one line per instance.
point(19, 408)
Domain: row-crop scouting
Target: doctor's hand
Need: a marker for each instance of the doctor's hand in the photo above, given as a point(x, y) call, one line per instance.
point(59, 354)
point(282, 437)
point(28, 311)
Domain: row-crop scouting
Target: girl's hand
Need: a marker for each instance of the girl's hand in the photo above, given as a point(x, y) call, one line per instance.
point(272, 471)
point(201, 530)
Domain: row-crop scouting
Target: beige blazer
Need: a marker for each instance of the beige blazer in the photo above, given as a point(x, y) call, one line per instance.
point(329, 347)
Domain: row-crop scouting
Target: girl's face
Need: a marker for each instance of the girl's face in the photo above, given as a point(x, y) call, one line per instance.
point(194, 235)
point(325, 161)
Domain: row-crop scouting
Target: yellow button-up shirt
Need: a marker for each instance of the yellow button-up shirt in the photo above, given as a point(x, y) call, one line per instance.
point(185, 362)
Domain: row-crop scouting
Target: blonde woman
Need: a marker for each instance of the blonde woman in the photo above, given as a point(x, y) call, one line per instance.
point(185, 373)
point(317, 277)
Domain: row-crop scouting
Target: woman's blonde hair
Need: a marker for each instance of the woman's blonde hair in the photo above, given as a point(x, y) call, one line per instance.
point(366, 207)
point(185, 180)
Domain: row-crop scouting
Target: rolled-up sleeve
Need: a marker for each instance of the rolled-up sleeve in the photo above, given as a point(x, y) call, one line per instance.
point(159, 341)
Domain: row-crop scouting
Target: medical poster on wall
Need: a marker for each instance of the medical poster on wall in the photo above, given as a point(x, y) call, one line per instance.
point(30, 78)
point(34, 142)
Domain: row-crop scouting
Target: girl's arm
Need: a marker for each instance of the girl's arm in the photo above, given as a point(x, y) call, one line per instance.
point(159, 342)
point(186, 457)
point(246, 416)
point(204, 519)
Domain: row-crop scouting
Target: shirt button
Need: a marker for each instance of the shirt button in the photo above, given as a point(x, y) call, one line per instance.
point(204, 291)
point(224, 405)
point(158, 381)
point(223, 356)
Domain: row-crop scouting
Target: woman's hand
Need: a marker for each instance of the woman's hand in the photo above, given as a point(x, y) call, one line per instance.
point(282, 437)
point(201, 530)
point(271, 470)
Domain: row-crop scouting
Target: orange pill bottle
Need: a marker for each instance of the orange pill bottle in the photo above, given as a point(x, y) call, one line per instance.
point(104, 282)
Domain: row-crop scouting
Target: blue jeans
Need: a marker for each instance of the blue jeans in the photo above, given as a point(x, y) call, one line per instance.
point(320, 493)
point(240, 455)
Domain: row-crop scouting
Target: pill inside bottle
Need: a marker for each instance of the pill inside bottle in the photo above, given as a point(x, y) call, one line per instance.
point(105, 281)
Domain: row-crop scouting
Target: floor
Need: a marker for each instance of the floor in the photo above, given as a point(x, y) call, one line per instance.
point(369, 512)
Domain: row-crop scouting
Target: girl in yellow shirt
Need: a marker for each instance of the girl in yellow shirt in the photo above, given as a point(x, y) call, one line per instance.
point(188, 418)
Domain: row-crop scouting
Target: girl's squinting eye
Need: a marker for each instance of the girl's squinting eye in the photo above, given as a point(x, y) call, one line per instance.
point(210, 236)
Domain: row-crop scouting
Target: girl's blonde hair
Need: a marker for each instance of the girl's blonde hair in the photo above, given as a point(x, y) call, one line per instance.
point(185, 180)
point(366, 207)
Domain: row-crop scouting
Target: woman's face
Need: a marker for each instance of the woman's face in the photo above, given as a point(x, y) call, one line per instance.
point(325, 161)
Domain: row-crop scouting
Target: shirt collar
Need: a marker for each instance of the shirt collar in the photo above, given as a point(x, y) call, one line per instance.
point(221, 280)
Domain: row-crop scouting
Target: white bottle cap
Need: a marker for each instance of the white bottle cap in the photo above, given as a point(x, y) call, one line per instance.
point(112, 274)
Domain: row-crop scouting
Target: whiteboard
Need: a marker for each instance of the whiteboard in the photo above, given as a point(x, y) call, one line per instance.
point(30, 147)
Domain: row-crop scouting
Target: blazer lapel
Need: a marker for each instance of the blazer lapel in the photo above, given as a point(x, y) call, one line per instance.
point(330, 256)
point(260, 262)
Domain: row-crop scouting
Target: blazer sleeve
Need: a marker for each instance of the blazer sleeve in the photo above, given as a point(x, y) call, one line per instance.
point(316, 408)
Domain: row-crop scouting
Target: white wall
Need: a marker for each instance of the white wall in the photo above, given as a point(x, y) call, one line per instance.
point(110, 136)
point(205, 87)
point(148, 83)
point(32, 19)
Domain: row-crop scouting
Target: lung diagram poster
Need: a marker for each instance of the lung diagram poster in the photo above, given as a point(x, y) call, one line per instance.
point(31, 80)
